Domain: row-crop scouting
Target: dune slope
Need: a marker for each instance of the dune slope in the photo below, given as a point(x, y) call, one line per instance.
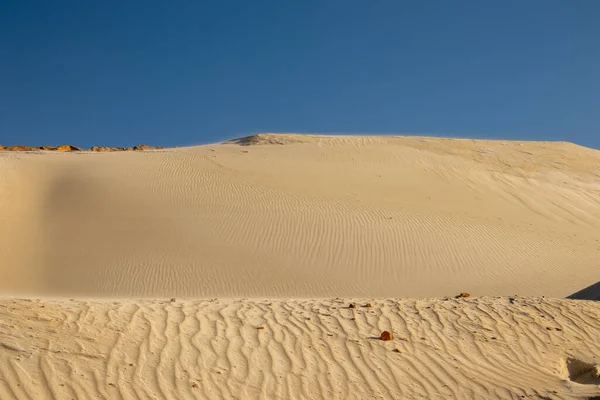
point(303, 216)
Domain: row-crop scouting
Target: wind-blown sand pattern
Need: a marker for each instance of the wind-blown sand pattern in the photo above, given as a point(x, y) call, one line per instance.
point(311, 349)
point(303, 216)
point(300, 220)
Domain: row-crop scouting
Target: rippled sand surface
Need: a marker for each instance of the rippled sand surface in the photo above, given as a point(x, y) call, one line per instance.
point(287, 256)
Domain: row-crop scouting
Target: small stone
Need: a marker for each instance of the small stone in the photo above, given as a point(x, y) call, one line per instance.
point(369, 305)
point(596, 371)
point(261, 327)
point(385, 335)
point(463, 295)
point(195, 385)
point(172, 300)
point(398, 350)
point(351, 305)
point(558, 329)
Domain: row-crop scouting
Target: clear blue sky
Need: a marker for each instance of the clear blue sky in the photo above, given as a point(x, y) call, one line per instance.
point(172, 73)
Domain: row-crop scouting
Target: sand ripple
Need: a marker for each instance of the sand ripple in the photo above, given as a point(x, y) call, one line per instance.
point(466, 348)
point(303, 216)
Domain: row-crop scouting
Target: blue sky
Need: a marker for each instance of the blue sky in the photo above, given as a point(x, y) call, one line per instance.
point(119, 73)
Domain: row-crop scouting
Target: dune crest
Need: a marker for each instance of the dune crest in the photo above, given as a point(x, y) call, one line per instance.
point(270, 228)
point(303, 216)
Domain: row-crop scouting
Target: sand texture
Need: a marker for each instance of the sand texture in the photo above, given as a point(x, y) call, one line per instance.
point(287, 257)
point(303, 216)
point(483, 348)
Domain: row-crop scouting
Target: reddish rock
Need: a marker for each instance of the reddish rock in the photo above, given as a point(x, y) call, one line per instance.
point(67, 147)
point(100, 149)
point(385, 335)
point(463, 295)
point(20, 148)
point(143, 147)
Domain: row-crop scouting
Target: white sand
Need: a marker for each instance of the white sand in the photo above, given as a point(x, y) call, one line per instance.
point(291, 216)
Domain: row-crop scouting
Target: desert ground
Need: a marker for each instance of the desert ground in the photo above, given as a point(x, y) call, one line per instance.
point(269, 266)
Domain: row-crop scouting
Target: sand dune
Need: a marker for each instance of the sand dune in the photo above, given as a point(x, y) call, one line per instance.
point(273, 228)
point(463, 349)
point(303, 216)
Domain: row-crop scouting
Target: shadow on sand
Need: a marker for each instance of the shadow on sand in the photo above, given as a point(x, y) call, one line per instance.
point(589, 293)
